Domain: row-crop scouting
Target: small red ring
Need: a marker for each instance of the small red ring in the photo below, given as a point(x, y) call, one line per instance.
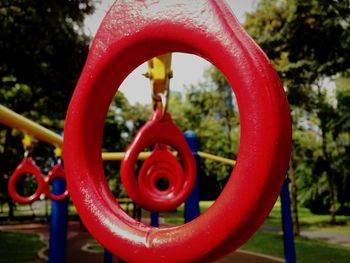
point(161, 130)
point(56, 172)
point(27, 166)
point(162, 164)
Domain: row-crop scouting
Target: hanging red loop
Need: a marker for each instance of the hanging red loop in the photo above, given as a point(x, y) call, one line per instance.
point(56, 172)
point(26, 167)
point(161, 129)
point(133, 32)
point(161, 176)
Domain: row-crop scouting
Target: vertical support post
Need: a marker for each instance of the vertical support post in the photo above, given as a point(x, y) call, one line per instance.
point(108, 257)
point(58, 224)
point(192, 203)
point(287, 224)
point(154, 219)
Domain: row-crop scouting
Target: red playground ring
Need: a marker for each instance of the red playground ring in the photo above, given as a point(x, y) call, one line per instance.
point(160, 165)
point(56, 172)
point(131, 33)
point(27, 166)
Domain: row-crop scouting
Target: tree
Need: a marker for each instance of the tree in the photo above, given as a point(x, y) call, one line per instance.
point(307, 42)
point(208, 108)
point(122, 122)
point(42, 51)
point(341, 150)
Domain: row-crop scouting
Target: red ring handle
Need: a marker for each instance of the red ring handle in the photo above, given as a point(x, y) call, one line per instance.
point(56, 172)
point(161, 164)
point(27, 166)
point(133, 32)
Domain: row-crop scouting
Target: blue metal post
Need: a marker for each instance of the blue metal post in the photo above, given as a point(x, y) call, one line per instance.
point(108, 257)
point(58, 224)
point(287, 224)
point(192, 203)
point(154, 219)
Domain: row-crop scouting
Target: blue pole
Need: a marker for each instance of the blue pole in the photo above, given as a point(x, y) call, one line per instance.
point(192, 203)
point(287, 224)
point(154, 219)
point(58, 224)
point(108, 257)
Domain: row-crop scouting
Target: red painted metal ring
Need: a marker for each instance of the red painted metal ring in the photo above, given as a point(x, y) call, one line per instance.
point(56, 172)
point(160, 129)
point(27, 166)
point(131, 33)
point(162, 164)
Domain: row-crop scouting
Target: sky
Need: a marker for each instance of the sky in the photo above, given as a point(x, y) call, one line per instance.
point(187, 69)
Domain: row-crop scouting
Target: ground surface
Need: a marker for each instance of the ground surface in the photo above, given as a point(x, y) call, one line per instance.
point(330, 237)
point(82, 247)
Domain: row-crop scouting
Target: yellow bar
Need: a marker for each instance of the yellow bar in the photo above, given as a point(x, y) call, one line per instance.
point(17, 121)
point(118, 156)
point(216, 158)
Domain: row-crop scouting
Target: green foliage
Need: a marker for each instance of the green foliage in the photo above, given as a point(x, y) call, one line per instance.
point(122, 122)
point(209, 109)
point(308, 43)
point(42, 51)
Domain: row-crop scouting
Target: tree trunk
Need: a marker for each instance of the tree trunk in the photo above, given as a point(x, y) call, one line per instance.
point(229, 131)
point(328, 168)
point(228, 113)
point(294, 202)
point(330, 177)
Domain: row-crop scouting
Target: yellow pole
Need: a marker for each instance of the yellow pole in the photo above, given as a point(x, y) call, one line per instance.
point(17, 121)
point(117, 156)
point(216, 158)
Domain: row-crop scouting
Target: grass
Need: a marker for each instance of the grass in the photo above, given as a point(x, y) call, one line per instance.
point(12, 243)
point(311, 221)
point(307, 251)
point(262, 242)
point(308, 221)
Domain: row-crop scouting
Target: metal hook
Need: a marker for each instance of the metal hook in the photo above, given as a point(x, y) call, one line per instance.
point(164, 101)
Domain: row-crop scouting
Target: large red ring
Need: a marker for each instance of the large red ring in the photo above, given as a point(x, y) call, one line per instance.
point(27, 166)
point(131, 33)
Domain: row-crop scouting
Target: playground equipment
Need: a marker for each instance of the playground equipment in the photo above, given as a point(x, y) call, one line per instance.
point(28, 167)
point(59, 208)
point(131, 33)
point(56, 172)
point(17, 121)
point(161, 165)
